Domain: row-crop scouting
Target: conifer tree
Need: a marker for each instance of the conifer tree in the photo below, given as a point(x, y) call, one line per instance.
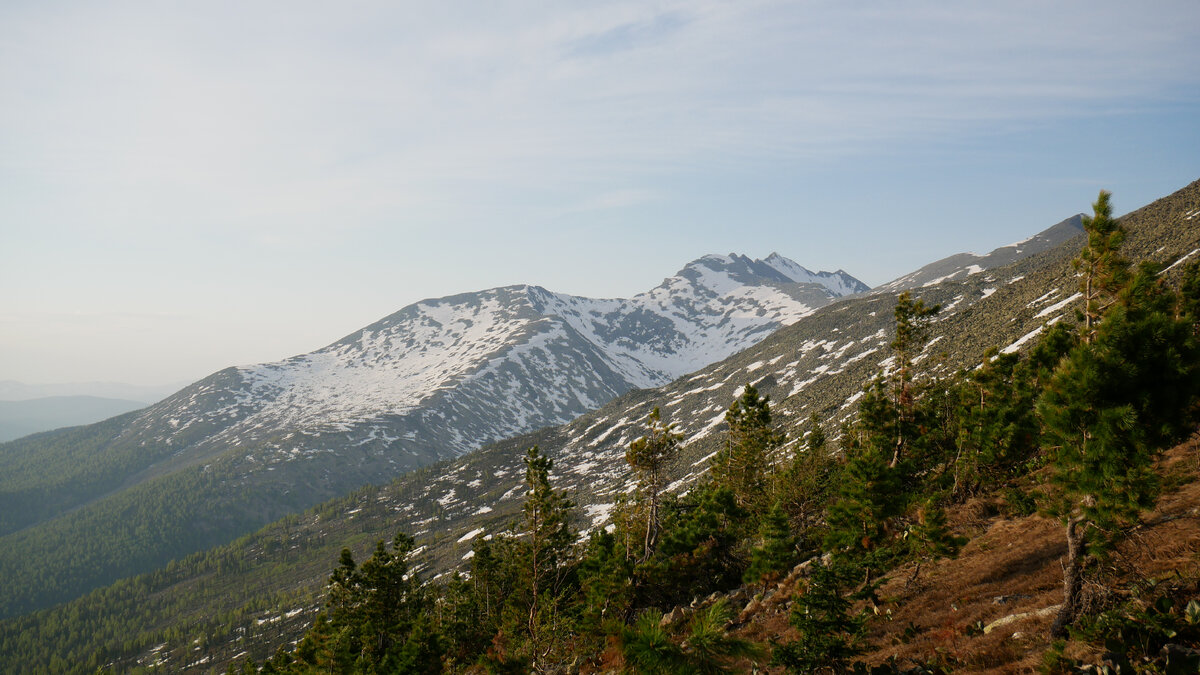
point(648, 648)
point(1188, 308)
point(869, 499)
point(707, 650)
point(776, 551)
point(829, 634)
point(912, 333)
point(548, 541)
point(650, 456)
point(930, 537)
point(376, 620)
point(751, 442)
point(815, 440)
point(699, 551)
point(1127, 390)
point(804, 486)
point(996, 430)
point(606, 589)
point(1102, 269)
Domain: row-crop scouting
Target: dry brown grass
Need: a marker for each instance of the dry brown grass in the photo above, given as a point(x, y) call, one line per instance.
point(1011, 566)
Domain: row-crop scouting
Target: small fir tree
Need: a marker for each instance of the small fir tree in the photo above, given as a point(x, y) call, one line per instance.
point(829, 634)
point(548, 539)
point(912, 333)
point(996, 430)
point(804, 486)
point(930, 537)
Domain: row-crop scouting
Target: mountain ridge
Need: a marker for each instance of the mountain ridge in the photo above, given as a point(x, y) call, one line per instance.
point(429, 382)
point(962, 265)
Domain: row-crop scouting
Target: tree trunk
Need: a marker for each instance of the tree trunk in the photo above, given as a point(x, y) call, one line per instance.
point(651, 520)
point(1072, 578)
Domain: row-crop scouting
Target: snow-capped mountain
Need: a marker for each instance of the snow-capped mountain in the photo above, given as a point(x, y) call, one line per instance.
point(444, 376)
point(430, 382)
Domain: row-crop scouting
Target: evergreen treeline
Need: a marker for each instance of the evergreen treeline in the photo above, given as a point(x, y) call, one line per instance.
point(1091, 404)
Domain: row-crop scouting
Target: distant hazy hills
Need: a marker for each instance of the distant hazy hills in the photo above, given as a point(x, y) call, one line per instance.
point(11, 390)
point(31, 408)
point(21, 418)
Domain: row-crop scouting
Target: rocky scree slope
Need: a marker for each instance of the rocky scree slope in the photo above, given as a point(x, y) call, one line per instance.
point(435, 380)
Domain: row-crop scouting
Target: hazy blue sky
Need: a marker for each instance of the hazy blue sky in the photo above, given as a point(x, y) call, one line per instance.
point(186, 186)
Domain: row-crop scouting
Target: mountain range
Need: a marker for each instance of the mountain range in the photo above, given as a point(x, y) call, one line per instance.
point(430, 382)
point(261, 590)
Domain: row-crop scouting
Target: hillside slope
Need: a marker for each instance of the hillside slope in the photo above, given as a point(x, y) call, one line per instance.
point(262, 590)
point(989, 609)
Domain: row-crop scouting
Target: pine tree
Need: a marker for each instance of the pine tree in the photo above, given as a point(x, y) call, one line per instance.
point(700, 547)
point(804, 486)
point(996, 430)
point(912, 333)
point(862, 517)
point(776, 551)
point(930, 537)
point(751, 443)
point(376, 620)
point(1115, 400)
point(1103, 271)
point(829, 634)
point(650, 456)
point(648, 648)
point(1188, 308)
point(708, 649)
point(548, 541)
point(606, 588)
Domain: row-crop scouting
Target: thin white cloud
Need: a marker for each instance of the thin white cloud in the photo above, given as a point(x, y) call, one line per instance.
point(253, 115)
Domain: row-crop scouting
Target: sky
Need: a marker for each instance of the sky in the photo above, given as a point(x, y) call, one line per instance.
point(188, 186)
